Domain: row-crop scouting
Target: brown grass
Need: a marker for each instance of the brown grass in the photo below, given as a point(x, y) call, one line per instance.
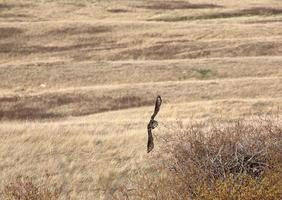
point(171, 5)
point(8, 32)
point(20, 112)
point(90, 100)
point(45, 106)
point(118, 10)
point(247, 188)
point(216, 161)
point(24, 188)
point(79, 79)
point(257, 11)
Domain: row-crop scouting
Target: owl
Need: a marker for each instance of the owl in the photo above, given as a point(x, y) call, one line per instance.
point(153, 124)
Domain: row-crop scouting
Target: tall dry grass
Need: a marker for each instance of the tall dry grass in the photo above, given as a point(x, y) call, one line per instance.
point(234, 160)
point(25, 188)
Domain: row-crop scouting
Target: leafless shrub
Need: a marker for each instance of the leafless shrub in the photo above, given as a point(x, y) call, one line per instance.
point(243, 155)
point(207, 153)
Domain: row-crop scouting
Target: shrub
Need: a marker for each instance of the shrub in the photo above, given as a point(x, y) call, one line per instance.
point(245, 187)
point(235, 160)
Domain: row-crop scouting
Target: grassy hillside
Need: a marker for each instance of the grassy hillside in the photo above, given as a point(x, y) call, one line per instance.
point(79, 79)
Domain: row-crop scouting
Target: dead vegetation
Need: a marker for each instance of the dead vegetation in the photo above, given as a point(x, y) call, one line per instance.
point(90, 40)
point(78, 30)
point(62, 75)
point(201, 49)
point(24, 188)
point(78, 78)
point(120, 10)
point(240, 160)
point(171, 5)
point(20, 112)
point(10, 32)
point(76, 102)
point(9, 6)
point(49, 106)
point(257, 11)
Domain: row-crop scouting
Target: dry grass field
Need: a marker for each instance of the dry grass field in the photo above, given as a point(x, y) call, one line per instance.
point(79, 79)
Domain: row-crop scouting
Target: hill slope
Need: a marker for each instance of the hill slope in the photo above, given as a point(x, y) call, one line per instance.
point(79, 78)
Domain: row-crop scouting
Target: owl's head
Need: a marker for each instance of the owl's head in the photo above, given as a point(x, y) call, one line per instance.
point(153, 124)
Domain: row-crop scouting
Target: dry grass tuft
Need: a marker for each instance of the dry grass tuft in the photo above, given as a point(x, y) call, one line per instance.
point(23, 188)
point(215, 161)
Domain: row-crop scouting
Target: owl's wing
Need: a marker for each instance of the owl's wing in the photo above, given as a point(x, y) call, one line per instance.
point(150, 144)
point(157, 106)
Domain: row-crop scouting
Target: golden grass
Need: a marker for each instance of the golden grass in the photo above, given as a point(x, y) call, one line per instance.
point(25, 188)
point(79, 79)
point(218, 160)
